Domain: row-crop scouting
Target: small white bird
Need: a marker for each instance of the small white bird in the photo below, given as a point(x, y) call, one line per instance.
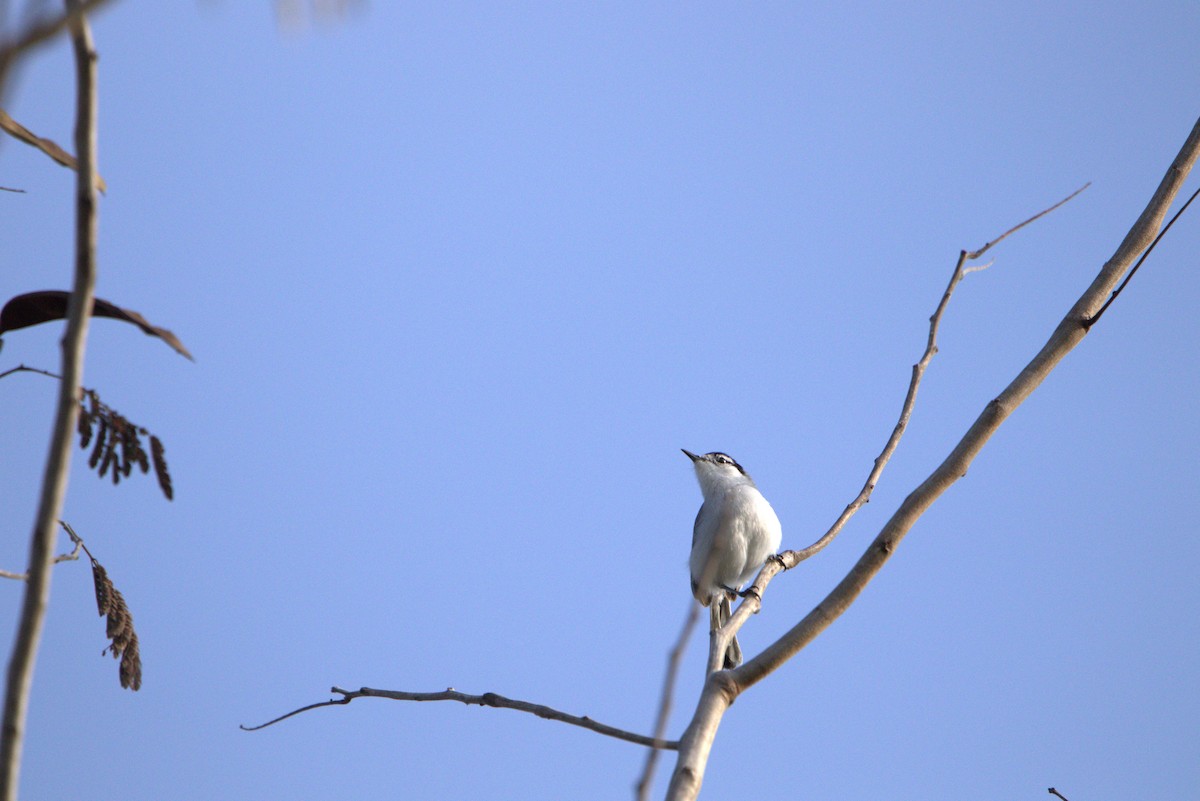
point(736, 530)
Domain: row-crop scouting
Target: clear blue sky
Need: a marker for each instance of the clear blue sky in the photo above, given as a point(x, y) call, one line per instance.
point(462, 279)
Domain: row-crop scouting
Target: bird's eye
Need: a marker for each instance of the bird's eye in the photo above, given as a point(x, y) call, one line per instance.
point(723, 459)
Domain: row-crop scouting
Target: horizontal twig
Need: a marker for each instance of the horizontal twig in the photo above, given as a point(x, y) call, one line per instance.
point(487, 699)
point(21, 368)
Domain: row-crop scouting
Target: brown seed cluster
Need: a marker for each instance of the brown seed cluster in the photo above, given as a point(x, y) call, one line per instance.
point(117, 443)
point(119, 628)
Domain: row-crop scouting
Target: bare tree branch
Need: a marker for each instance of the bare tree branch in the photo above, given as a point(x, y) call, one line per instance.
point(487, 699)
point(789, 559)
point(642, 788)
point(1089, 322)
point(722, 687)
point(793, 558)
point(1052, 791)
point(54, 480)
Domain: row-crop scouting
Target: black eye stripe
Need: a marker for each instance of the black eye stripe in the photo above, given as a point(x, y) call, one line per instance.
point(723, 458)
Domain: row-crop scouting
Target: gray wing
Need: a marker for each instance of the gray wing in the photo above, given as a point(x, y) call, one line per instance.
point(703, 523)
point(701, 519)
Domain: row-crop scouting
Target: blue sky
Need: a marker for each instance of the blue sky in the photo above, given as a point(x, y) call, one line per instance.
point(462, 279)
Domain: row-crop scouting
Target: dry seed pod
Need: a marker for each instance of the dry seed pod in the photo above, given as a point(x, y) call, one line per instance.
point(130, 671)
point(160, 467)
point(104, 587)
point(85, 426)
point(98, 448)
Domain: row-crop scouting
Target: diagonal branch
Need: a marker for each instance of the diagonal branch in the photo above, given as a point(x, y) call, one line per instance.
point(54, 479)
point(47, 146)
point(789, 559)
point(1089, 322)
point(487, 699)
point(723, 687)
point(793, 558)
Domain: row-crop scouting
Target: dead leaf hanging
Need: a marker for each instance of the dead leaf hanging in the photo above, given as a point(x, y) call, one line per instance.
point(41, 307)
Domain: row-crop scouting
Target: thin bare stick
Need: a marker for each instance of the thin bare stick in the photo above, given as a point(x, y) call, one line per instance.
point(723, 687)
point(789, 559)
point(58, 460)
point(21, 368)
point(793, 558)
point(487, 699)
point(1052, 791)
point(642, 788)
point(973, 255)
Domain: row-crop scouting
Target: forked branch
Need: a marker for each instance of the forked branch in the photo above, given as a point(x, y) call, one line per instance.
point(789, 559)
point(724, 686)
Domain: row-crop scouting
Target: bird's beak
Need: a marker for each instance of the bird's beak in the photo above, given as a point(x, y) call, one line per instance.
point(690, 455)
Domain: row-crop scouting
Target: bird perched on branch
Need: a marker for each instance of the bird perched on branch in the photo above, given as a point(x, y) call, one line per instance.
point(735, 531)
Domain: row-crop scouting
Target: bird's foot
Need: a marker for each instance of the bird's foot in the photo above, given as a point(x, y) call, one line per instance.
point(750, 591)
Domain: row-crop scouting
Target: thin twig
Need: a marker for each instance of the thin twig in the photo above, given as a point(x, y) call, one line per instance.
point(793, 558)
point(642, 787)
point(722, 688)
point(1088, 323)
point(21, 368)
point(1052, 791)
point(12, 189)
point(40, 32)
point(789, 559)
point(73, 556)
point(58, 460)
point(487, 699)
point(972, 256)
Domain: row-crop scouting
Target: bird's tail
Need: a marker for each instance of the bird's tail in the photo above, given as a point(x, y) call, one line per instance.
point(719, 613)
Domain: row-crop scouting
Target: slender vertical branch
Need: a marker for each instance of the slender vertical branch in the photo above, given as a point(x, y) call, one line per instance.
point(642, 788)
point(54, 480)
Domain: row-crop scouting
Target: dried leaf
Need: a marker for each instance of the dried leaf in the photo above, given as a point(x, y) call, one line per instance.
point(160, 468)
point(118, 621)
point(104, 587)
point(117, 443)
point(119, 625)
point(131, 665)
point(40, 307)
point(98, 448)
point(50, 148)
point(85, 425)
